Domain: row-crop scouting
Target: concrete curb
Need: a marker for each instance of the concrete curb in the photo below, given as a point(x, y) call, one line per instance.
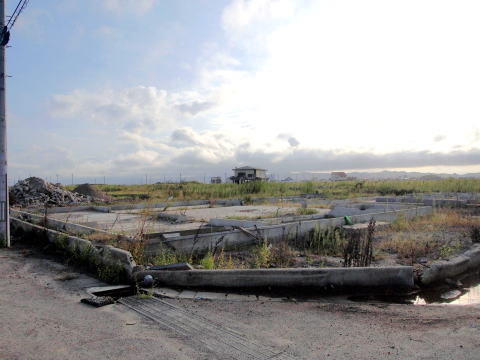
point(104, 255)
point(441, 270)
point(318, 278)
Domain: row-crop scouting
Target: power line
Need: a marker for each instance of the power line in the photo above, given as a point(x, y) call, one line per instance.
point(22, 4)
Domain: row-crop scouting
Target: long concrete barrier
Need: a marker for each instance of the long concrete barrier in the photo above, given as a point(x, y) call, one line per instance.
point(441, 270)
point(201, 243)
point(105, 258)
point(318, 278)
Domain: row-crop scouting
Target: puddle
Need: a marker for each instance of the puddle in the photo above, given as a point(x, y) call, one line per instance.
point(467, 294)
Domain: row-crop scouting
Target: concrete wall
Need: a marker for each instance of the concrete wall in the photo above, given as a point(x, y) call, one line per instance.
point(317, 278)
point(70, 228)
point(99, 255)
point(201, 243)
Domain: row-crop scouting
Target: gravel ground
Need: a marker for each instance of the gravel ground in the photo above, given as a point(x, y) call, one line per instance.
point(41, 318)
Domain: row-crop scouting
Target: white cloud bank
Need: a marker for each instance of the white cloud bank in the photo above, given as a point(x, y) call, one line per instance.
point(339, 85)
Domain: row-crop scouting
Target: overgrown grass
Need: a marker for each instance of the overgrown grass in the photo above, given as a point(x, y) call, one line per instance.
point(440, 235)
point(329, 189)
point(329, 241)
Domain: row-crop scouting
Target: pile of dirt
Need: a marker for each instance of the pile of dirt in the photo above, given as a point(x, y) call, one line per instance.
point(35, 191)
point(93, 192)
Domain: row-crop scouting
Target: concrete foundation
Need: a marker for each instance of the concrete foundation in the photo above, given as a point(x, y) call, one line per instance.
point(201, 243)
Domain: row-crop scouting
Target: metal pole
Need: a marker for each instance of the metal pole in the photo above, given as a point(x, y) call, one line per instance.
point(4, 216)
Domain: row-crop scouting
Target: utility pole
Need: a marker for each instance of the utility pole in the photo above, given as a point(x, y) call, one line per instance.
point(4, 208)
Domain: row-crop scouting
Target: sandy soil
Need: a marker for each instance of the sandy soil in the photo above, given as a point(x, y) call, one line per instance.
point(41, 318)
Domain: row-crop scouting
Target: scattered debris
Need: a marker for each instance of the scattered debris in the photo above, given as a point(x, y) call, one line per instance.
point(35, 191)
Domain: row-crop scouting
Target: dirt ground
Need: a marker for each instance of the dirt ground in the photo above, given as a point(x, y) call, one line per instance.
point(41, 317)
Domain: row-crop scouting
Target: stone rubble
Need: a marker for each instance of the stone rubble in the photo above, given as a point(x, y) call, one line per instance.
point(35, 191)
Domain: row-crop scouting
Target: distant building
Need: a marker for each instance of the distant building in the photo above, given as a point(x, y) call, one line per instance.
point(288, 179)
point(215, 180)
point(338, 176)
point(248, 173)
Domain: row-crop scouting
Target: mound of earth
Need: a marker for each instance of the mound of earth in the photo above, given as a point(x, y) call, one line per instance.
point(35, 191)
point(93, 192)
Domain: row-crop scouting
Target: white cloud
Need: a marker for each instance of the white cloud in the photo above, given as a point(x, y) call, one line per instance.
point(140, 108)
point(243, 13)
point(359, 88)
point(138, 7)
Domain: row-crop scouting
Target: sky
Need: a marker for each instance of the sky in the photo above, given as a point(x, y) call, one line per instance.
point(151, 90)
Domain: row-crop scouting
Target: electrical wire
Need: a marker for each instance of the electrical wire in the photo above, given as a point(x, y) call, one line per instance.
point(22, 4)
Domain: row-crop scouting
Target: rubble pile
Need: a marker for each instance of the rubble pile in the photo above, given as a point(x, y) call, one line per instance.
point(35, 191)
point(92, 191)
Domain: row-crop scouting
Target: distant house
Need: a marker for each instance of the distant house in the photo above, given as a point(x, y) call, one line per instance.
point(288, 179)
point(215, 180)
point(338, 176)
point(248, 173)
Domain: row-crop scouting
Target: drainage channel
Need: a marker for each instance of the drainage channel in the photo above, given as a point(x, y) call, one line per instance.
point(217, 338)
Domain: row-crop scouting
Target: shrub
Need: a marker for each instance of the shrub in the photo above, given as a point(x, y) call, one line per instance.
point(208, 261)
point(261, 255)
point(165, 257)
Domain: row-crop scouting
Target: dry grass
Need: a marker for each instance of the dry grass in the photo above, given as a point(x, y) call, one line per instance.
point(436, 236)
point(442, 219)
point(408, 246)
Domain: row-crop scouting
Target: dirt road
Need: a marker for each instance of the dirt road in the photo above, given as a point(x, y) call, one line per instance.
point(41, 318)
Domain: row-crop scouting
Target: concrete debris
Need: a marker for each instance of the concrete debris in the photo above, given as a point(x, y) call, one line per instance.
point(35, 191)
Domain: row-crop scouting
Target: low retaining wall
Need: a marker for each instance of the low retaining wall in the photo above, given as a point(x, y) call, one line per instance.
point(104, 257)
point(318, 278)
point(63, 226)
point(201, 243)
point(441, 270)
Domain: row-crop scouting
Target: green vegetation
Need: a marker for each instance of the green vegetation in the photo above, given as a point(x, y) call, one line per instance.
point(329, 189)
point(208, 261)
point(261, 255)
point(325, 241)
